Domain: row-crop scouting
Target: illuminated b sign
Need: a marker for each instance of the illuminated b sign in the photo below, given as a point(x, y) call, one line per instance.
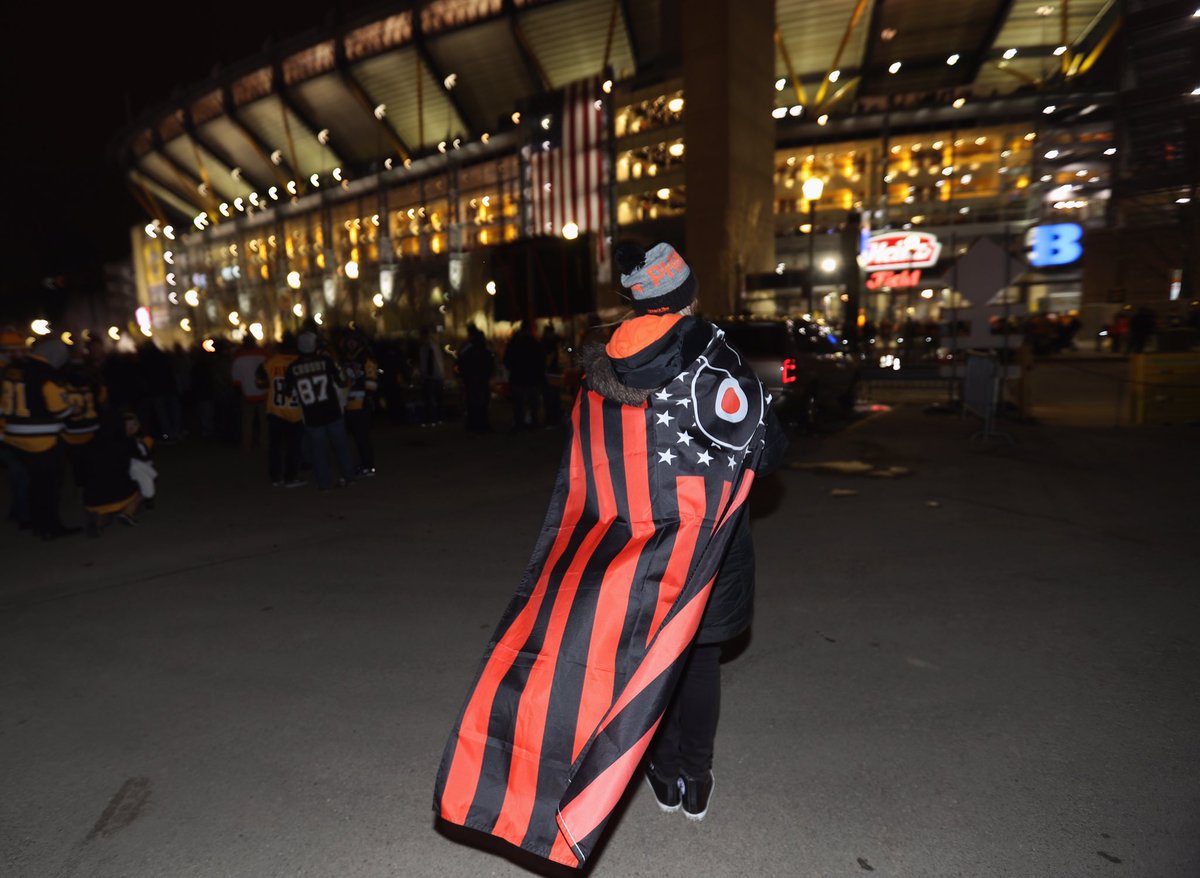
point(1054, 244)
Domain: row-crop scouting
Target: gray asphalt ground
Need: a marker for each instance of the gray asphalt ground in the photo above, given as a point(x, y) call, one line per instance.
point(985, 665)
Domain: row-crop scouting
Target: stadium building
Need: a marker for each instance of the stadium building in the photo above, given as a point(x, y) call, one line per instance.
point(460, 161)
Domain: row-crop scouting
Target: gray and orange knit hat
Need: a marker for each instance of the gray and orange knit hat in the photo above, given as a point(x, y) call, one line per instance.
point(658, 280)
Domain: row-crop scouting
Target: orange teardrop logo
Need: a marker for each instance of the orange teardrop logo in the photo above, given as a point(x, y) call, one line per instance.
point(730, 402)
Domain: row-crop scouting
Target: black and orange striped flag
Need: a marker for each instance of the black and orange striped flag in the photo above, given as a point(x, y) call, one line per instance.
point(584, 661)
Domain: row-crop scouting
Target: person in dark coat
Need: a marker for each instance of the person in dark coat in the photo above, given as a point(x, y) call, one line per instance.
point(552, 385)
point(666, 440)
point(526, 366)
point(475, 367)
point(681, 755)
point(1142, 326)
point(108, 490)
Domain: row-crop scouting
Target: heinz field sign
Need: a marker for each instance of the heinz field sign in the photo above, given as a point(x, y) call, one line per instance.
point(898, 251)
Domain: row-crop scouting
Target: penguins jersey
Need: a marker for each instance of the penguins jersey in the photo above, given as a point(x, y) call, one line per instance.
point(281, 402)
point(315, 380)
point(33, 403)
point(362, 378)
point(86, 395)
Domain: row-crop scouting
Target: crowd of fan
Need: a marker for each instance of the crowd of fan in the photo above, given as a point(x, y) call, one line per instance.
point(89, 415)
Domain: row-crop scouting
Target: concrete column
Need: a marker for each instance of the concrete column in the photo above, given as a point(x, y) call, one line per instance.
point(728, 74)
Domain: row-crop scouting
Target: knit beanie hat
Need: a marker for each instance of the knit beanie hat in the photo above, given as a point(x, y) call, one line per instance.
point(658, 279)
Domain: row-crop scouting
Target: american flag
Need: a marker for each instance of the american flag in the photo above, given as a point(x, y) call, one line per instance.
point(577, 676)
point(567, 166)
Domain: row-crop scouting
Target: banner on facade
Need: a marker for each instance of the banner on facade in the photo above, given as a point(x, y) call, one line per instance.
point(543, 277)
point(567, 166)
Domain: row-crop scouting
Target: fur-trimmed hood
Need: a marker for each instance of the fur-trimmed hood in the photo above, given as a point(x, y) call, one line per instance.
point(603, 379)
point(632, 366)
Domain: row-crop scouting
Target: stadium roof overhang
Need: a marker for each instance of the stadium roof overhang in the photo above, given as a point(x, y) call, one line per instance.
point(368, 94)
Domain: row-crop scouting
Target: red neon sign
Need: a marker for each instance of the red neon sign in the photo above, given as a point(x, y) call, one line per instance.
point(893, 279)
point(788, 370)
point(899, 250)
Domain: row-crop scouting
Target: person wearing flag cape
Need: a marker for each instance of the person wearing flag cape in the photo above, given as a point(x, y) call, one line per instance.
point(604, 664)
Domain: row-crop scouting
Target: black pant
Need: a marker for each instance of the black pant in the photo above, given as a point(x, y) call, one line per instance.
point(525, 401)
point(283, 448)
point(684, 744)
point(45, 470)
point(478, 395)
point(75, 454)
point(358, 423)
point(552, 402)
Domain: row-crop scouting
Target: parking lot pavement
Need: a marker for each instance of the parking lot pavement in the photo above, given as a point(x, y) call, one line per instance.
point(982, 665)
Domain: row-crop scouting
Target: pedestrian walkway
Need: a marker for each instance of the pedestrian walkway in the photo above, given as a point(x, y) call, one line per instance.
point(984, 664)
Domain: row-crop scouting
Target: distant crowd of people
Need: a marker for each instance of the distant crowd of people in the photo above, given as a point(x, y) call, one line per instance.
point(59, 421)
point(91, 414)
point(1129, 330)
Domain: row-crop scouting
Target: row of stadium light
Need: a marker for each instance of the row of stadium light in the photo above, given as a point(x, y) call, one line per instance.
point(201, 220)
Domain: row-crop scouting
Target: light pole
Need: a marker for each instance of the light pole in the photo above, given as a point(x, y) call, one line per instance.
point(812, 189)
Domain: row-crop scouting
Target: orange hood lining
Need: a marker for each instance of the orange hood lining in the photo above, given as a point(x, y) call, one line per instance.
point(639, 333)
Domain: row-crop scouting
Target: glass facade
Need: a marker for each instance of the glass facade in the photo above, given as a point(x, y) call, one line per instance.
point(982, 175)
point(381, 258)
point(649, 155)
point(399, 255)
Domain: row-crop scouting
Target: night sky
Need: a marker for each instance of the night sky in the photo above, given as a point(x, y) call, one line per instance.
point(74, 77)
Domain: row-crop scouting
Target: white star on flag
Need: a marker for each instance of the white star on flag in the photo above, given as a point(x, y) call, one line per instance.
point(667, 456)
point(681, 376)
point(686, 438)
point(704, 458)
point(685, 402)
point(663, 395)
point(664, 418)
point(732, 461)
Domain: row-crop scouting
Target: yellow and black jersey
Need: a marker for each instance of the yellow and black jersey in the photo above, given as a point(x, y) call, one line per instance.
point(86, 395)
point(362, 378)
point(34, 403)
point(281, 402)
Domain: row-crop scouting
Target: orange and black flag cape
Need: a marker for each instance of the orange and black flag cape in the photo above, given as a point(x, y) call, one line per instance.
point(583, 663)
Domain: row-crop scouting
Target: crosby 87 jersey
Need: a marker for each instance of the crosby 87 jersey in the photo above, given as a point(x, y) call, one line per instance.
point(315, 380)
